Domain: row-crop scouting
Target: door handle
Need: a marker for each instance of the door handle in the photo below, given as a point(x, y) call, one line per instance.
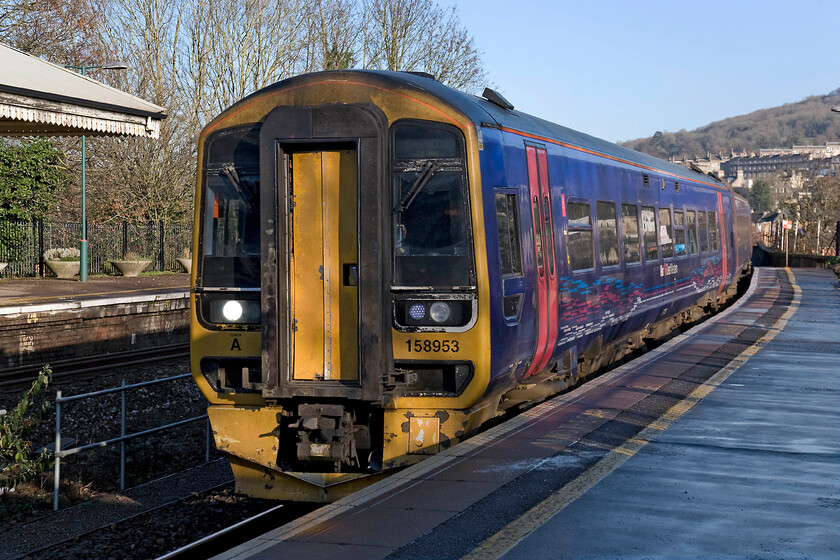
point(351, 274)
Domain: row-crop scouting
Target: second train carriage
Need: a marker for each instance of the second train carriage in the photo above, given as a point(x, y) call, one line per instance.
point(384, 263)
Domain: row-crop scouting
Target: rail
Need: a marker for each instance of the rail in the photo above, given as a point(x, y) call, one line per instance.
point(61, 453)
point(74, 367)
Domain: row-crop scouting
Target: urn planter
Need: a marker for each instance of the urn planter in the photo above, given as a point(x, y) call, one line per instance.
point(65, 269)
point(131, 268)
point(185, 263)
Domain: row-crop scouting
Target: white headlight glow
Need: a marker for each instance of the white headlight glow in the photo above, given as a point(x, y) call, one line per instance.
point(232, 311)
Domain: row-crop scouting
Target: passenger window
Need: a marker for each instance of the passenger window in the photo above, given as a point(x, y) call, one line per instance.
point(507, 223)
point(607, 234)
point(580, 236)
point(549, 234)
point(692, 231)
point(649, 233)
point(713, 232)
point(665, 233)
point(679, 234)
point(630, 233)
point(704, 235)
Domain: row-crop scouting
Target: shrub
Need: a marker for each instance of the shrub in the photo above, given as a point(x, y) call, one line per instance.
point(17, 463)
point(62, 254)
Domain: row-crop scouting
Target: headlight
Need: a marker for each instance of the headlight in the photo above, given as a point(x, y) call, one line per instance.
point(440, 312)
point(240, 311)
point(232, 311)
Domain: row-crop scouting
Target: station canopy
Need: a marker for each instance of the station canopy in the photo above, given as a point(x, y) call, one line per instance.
point(41, 98)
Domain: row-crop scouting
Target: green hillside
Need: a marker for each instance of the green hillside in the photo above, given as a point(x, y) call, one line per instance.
point(809, 121)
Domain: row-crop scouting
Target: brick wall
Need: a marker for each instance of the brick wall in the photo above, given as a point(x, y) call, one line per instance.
point(48, 336)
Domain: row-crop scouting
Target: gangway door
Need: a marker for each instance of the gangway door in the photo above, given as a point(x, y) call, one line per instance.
point(322, 266)
point(325, 219)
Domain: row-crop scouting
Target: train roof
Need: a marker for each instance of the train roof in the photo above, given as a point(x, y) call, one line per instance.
point(488, 113)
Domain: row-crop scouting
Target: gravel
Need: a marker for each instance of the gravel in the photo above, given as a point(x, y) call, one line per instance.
point(168, 528)
point(102, 522)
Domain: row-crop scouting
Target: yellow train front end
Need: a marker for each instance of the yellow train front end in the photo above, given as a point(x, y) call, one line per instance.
point(339, 329)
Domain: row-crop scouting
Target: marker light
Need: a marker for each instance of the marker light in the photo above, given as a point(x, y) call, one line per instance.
point(440, 312)
point(417, 311)
point(232, 311)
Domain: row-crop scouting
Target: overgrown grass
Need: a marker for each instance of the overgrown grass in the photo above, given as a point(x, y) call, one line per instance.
point(19, 463)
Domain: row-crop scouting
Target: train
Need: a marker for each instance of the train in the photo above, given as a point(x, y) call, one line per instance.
point(382, 264)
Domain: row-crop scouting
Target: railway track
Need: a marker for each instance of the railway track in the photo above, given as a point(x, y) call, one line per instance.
point(229, 537)
point(79, 367)
point(201, 525)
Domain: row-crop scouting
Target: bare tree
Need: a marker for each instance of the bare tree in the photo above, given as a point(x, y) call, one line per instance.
point(67, 31)
point(143, 179)
point(238, 47)
point(821, 208)
point(332, 29)
point(419, 35)
point(198, 57)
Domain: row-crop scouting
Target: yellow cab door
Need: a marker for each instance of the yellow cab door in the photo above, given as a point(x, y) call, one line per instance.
point(323, 273)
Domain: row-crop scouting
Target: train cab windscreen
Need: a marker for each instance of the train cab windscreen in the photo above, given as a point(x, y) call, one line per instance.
point(431, 233)
point(230, 237)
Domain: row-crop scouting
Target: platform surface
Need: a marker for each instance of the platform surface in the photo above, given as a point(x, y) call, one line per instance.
point(722, 443)
point(21, 294)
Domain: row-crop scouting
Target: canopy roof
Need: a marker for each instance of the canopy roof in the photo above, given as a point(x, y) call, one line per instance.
point(38, 97)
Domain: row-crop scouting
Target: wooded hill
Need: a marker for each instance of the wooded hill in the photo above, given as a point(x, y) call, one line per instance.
point(809, 121)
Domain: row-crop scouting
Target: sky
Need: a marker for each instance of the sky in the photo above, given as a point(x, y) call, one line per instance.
point(623, 69)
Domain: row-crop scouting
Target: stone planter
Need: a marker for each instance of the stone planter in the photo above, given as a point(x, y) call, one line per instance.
point(131, 268)
point(186, 263)
point(65, 269)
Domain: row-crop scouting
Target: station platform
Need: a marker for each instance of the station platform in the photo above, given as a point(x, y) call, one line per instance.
point(17, 294)
point(61, 322)
point(722, 443)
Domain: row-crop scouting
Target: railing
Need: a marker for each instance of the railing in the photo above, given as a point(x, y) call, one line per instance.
point(61, 453)
point(23, 242)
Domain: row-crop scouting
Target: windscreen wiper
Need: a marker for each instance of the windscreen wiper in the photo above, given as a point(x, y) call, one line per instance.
point(426, 173)
point(233, 176)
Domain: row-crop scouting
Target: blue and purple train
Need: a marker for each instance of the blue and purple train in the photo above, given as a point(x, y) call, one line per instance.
point(383, 263)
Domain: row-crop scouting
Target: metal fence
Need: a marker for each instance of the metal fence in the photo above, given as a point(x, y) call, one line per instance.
point(23, 242)
point(59, 453)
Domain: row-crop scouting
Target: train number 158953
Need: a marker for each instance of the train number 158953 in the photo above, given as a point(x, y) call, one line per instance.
point(432, 345)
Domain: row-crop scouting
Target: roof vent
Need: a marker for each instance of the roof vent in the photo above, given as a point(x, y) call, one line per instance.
point(494, 96)
point(422, 75)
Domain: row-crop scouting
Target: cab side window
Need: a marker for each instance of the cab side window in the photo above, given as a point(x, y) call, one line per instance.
point(507, 224)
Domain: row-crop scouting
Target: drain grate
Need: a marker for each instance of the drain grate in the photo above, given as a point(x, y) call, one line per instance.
point(808, 346)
